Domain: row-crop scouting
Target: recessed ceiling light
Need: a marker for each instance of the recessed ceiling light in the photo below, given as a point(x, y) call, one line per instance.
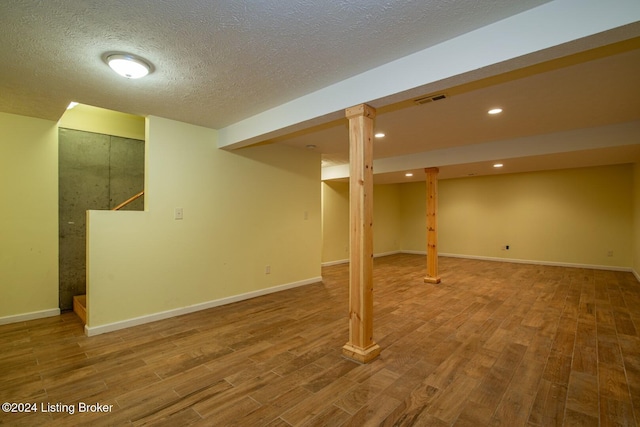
point(495, 111)
point(71, 105)
point(128, 65)
point(498, 165)
point(379, 135)
point(408, 174)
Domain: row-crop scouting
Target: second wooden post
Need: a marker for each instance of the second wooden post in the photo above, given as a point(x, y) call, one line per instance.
point(432, 226)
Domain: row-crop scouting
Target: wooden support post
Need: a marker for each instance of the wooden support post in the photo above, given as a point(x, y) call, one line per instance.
point(432, 226)
point(361, 346)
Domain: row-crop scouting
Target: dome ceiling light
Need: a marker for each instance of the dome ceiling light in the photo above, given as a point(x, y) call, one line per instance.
point(128, 65)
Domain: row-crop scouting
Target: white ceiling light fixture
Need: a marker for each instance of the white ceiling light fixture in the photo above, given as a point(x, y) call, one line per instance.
point(498, 165)
point(379, 135)
point(408, 174)
point(128, 65)
point(495, 111)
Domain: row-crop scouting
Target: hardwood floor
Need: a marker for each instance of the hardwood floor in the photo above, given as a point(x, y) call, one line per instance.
point(493, 344)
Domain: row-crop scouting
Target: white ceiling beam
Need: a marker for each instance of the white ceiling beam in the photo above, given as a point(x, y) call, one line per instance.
point(466, 57)
point(561, 142)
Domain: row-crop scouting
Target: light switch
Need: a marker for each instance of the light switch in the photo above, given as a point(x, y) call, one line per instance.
point(177, 213)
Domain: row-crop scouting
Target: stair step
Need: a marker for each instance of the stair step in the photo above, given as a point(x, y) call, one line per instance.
point(80, 307)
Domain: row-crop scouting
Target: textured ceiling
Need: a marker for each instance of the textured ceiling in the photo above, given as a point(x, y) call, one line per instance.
point(216, 62)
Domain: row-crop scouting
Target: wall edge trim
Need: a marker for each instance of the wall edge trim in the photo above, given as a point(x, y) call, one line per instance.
point(29, 316)
point(141, 320)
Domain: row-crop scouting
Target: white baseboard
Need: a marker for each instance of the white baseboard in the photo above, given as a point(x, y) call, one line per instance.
point(416, 252)
point(381, 254)
point(110, 327)
point(497, 259)
point(550, 263)
point(29, 316)
point(330, 263)
point(346, 261)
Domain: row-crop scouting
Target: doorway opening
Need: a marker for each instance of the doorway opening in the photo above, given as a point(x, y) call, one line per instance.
point(99, 167)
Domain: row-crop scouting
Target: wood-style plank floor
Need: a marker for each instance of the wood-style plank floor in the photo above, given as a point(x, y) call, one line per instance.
point(493, 344)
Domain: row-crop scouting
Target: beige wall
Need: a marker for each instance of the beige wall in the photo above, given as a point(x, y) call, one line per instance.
point(29, 217)
point(636, 219)
point(566, 216)
point(386, 219)
point(572, 216)
point(107, 122)
point(243, 211)
point(413, 216)
point(335, 223)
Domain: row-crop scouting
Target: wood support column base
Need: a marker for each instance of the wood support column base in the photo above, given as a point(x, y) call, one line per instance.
point(434, 280)
point(361, 355)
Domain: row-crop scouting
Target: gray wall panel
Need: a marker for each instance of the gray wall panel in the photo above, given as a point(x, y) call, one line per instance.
point(127, 172)
point(95, 172)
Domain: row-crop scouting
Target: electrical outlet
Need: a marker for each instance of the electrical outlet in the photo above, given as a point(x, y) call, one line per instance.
point(177, 213)
point(267, 269)
point(609, 253)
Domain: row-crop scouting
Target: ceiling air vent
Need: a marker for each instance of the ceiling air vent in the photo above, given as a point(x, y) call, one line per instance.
point(430, 98)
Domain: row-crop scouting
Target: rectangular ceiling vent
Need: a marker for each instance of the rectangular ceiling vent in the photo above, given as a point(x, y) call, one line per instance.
point(430, 98)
